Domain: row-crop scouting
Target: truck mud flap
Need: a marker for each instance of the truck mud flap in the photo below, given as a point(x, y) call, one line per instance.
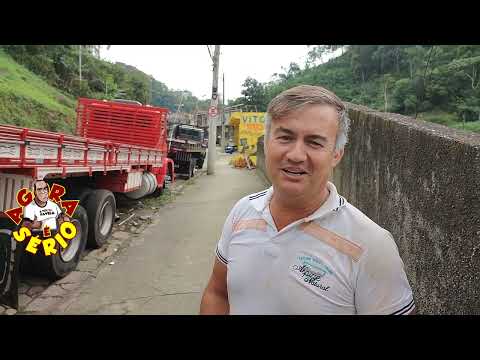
point(10, 253)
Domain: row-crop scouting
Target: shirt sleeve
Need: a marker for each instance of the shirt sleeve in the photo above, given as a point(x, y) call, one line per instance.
point(29, 212)
point(382, 286)
point(223, 244)
point(57, 208)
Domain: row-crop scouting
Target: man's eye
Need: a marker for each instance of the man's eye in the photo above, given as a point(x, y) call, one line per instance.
point(316, 144)
point(284, 138)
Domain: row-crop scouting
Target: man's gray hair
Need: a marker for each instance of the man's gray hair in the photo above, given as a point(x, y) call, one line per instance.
point(301, 96)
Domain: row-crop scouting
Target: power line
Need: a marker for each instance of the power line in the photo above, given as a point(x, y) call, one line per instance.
point(209, 52)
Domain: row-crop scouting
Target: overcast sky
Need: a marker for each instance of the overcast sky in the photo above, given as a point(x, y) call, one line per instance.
point(189, 67)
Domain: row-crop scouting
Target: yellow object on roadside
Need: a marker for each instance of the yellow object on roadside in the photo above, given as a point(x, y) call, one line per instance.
point(240, 161)
point(248, 127)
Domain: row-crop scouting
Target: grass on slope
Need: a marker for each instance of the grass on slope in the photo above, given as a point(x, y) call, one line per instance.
point(450, 120)
point(27, 100)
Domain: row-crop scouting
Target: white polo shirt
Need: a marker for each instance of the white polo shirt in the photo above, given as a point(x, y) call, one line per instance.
point(47, 214)
point(336, 261)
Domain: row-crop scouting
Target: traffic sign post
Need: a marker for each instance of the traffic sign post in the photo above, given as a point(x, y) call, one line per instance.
point(212, 111)
point(212, 115)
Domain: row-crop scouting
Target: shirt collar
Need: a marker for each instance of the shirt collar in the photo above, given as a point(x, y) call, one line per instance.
point(334, 201)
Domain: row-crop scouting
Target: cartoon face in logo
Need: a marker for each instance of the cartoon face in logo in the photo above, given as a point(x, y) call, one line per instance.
point(41, 190)
point(44, 222)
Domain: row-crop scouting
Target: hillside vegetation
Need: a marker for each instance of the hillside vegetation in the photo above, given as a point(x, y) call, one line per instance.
point(40, 84)
point(27, 100)
point(438, 83)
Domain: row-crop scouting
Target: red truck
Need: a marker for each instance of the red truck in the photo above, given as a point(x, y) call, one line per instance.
point(119, 147)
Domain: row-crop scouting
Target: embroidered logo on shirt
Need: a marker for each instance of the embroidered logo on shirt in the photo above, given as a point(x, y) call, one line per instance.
point(312, 270)
point(251, 224)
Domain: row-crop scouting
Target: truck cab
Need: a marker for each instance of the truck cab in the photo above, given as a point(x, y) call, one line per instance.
point(187, 148)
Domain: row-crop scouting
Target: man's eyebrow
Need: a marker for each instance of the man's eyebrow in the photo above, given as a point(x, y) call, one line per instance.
point(310, 137)
point(282, 129)
point(317, 137)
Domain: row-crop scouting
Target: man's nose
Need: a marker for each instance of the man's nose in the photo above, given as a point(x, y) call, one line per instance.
point(297, 152)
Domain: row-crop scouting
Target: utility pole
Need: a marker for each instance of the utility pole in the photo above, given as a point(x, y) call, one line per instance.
point(151, 89)
point(181, 101)
point(80, 62)
point(213, 115)
point(222, 139)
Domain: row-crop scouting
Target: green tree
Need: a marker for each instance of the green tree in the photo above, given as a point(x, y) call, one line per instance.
point(467, 67)
point(254, 94)
point(388, 81)
point(404, 96)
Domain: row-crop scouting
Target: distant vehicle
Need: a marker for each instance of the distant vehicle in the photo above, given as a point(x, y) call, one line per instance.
point(187, 148)
point(230, 149)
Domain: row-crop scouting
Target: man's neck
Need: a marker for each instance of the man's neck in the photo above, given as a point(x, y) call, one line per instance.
point(40, 203)
point(285, 210)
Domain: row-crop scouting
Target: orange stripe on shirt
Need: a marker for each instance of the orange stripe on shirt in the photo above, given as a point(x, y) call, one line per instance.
point(334, 240)
point(251, 224)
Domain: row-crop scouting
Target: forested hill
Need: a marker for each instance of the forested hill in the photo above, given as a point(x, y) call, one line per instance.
point(437, 83)
point(39, 85)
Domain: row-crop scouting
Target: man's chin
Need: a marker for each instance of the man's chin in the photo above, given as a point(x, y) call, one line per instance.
point(291, 189)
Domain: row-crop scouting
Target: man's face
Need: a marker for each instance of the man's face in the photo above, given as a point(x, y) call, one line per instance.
point(41, 191)
point(300, 151)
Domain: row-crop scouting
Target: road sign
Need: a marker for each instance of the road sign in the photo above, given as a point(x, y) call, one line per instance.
point(212, 111)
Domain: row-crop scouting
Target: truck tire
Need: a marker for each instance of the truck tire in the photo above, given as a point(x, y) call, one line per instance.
point(200, 162)
point(159, 190)
point(80, 194)
point(57, 266)
point(101, 208)
point(10, 253)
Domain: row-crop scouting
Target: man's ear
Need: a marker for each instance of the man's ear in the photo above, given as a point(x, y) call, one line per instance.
point(337, 156)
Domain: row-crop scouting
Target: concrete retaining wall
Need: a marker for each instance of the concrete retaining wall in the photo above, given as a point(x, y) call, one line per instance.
point(420, 181)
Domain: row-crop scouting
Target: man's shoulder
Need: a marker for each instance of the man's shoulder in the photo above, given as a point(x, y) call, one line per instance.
point(258, 195)
point(52, 205)
point(362, 229)
point(251, 202)
point(31, 205)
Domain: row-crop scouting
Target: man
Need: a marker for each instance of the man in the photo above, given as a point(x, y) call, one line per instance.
point(299, 247)
point(42, 212)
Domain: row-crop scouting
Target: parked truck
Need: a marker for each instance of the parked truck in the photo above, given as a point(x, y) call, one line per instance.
point(187, 148)
point(119, 148)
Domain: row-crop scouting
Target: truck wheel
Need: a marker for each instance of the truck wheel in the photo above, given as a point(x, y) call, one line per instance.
point(79, 193)
point(159, 190)
point(101, 215)
point(9, 255)
point(65, 260)
point(200, 163)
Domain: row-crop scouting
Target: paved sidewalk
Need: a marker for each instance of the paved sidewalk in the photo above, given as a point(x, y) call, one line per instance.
point(164, 270)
